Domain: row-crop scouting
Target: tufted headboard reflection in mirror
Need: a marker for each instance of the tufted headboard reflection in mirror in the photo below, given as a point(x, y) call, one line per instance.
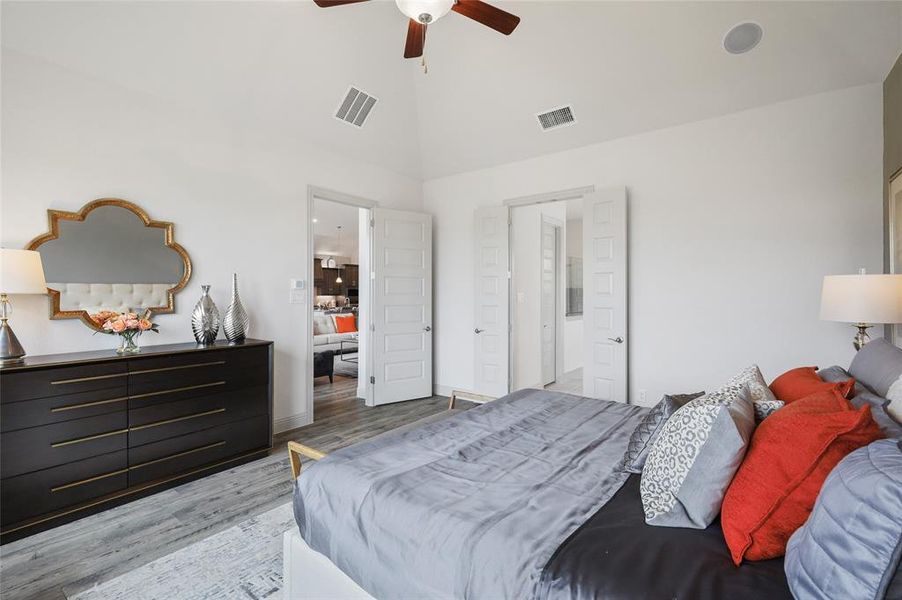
point(110, 256)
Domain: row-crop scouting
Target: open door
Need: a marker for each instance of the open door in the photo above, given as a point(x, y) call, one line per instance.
point(605, 296)
point(402, 306)
point(492, 285)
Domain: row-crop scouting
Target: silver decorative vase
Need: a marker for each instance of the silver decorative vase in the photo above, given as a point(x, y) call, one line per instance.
point(205, 319)
point(236, 322)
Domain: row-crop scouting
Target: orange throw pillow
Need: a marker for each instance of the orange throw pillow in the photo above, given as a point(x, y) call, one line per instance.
point(345, 323)
point(802, 382)
point(790, 455)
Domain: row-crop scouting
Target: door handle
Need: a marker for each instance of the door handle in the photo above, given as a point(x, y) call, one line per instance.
point(477, 330)
point(617, 340)
point(427, 328)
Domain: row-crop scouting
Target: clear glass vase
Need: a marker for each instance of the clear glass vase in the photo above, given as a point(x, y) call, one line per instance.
point(127, 344)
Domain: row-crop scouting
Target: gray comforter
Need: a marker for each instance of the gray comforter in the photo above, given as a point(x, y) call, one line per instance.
point(472, 506)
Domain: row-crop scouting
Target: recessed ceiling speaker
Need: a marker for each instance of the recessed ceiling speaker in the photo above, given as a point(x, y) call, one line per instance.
point(742, 38)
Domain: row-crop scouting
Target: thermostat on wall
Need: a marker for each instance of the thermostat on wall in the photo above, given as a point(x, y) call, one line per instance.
point(297, 291)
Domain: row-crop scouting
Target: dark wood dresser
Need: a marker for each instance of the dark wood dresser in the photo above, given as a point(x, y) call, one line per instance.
point(82, 432)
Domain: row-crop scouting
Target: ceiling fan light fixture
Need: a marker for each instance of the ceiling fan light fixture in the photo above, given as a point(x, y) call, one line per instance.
point(425, 11)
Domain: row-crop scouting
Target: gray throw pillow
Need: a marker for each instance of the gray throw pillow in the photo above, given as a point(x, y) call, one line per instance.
point(695, 457)
point(879, 366)
point(851, 544)
point(645, 434)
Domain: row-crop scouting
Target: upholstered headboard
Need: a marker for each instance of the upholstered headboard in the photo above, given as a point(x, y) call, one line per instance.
point(120, 297)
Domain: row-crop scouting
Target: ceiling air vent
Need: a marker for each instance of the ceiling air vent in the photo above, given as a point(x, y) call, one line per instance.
point(355, 107)
point(556, 117)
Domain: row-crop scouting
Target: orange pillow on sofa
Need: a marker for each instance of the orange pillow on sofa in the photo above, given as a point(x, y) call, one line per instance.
point(802, 382)
point(789, 457)
point(345, 323)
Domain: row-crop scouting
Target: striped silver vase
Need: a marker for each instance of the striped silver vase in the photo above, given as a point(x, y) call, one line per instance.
point(236, 322)
point(205, 319)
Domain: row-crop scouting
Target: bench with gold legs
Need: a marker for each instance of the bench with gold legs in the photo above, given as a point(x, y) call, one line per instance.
point(296, 451)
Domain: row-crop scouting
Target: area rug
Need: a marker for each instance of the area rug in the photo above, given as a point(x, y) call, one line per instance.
point(345, 368)
point(244, 561)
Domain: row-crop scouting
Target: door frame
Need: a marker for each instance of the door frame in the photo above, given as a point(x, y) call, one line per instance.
point(543, 198)
point(330, 195)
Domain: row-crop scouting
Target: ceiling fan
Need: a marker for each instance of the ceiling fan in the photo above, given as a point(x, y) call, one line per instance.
point(425, 12)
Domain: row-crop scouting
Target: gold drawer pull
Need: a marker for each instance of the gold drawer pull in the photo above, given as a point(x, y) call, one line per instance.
point(88, 480)
point(177, 455)
point(177, 419)
point(87, 404)
point(89, 438)
point(80, 379)
point(181, 389)
point(194, 366)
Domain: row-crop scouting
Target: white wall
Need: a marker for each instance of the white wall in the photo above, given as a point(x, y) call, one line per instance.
point(238, 201)
point(733, 223)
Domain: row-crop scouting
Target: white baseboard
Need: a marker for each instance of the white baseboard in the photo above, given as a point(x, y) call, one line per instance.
point(442, 390)
point(292, 422)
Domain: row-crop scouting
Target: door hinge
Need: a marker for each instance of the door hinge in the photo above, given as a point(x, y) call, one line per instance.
point(373, 327)
point(373, 379)
point(372, 222)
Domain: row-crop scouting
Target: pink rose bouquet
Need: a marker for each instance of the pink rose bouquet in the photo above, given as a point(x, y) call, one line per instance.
point(127, 326)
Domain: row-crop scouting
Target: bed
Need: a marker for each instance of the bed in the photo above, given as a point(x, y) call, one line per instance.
point(522, 497)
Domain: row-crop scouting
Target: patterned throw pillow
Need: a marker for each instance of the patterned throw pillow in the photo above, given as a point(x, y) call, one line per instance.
point(647, 431)
point(766, 408)
point(694, 458)
point(764, 399)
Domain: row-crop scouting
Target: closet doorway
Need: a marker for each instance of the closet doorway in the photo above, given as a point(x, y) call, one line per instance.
point(551, 294)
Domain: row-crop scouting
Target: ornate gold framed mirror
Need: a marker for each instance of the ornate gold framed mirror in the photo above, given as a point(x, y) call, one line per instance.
point(110, 256)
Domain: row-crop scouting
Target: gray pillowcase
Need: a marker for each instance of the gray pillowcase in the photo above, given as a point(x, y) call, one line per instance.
point(645, 434)
point(863, 396)
point(695, 457)
point(884, 420)
point(836, 374)
point(851, 544)
point(878, 366)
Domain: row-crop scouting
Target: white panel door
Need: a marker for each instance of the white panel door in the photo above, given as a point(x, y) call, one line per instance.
point(605, 295)
point(548, 309)
point(491, 333)
point(402, 305)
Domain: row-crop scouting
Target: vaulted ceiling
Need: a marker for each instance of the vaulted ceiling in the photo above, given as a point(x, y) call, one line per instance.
point(624, 67)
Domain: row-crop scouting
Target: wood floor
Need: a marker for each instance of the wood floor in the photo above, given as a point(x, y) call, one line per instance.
point(71, 558)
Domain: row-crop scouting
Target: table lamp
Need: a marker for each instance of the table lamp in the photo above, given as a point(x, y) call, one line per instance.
point(863, 300)
point(21, 272)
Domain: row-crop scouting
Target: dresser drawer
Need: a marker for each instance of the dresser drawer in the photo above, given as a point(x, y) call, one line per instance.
point(68, 407)
point(186, 416)
point(191, 375)
point(38, 448)
point(239, 404)
point(26, 385)
point(48, 490)
point(184, 453)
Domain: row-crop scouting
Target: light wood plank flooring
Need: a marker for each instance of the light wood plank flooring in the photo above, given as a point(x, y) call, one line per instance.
point(73, 557)
point(570, 382)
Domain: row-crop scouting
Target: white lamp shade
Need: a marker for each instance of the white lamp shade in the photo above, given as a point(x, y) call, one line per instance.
point(862, 298)
point(21, 272)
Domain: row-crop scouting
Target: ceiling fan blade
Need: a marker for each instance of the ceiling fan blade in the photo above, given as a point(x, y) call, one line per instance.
point(331, 3)
point(488, 15)
point(416, 39)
